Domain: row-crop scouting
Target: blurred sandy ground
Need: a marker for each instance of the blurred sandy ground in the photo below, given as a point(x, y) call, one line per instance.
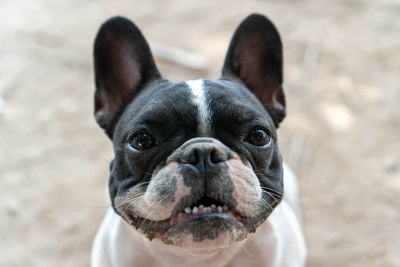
point(342, 64)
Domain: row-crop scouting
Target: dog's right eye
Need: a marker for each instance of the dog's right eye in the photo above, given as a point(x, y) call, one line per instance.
point(142, 141)
point(258, 137)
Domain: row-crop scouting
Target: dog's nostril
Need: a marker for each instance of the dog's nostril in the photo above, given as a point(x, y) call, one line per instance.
point(217, 156)
point(192, 157)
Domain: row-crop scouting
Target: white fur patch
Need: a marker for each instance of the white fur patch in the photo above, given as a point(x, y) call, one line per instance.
point(200, 100)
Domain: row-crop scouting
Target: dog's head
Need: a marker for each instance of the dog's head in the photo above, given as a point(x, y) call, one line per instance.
point(196, 162)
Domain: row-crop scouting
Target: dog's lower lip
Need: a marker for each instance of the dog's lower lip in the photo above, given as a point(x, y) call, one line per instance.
point(181, 217)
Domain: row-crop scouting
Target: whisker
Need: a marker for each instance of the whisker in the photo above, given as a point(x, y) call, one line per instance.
point(272, 196)
point(151, 213)
point(130, 202)
point(271, 190)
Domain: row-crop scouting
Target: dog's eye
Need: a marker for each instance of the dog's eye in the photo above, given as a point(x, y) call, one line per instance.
point(142, 141)
point(258, 137)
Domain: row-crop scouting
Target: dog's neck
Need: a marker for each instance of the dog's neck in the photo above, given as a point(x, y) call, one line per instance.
point(188, 257)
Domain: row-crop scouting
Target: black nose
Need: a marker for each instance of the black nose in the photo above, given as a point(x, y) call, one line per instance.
point(206, 156)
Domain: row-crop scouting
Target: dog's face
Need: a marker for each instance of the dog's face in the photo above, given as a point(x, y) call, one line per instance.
point(196, 162)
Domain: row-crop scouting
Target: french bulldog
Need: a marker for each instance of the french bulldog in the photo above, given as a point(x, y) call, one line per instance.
point(197, 178)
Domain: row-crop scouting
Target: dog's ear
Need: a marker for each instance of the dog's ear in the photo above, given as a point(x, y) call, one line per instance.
point(255, 57)
point(123, 64)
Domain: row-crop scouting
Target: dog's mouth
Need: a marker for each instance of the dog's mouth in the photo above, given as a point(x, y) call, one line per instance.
point(206, 209)
point(206, 205)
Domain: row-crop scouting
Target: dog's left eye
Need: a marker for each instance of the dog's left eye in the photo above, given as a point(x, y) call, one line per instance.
point(142, 141)
point(258, 137)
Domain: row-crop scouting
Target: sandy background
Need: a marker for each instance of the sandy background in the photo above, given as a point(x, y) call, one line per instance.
point(342, 63)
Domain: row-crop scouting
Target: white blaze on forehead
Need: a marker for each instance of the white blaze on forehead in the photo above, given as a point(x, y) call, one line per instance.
point(200, 100)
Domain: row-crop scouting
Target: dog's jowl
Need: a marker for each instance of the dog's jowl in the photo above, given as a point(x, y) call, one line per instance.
point(197, 178)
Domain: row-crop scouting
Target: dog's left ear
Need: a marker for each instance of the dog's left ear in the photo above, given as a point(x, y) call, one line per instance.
point(255, 57)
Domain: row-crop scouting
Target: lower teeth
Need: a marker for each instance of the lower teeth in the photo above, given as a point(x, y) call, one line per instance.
point(195, 209)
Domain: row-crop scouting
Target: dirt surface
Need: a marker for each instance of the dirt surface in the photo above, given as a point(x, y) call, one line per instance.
point(341, 135)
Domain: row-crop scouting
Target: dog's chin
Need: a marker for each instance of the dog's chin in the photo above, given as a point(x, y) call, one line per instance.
point(198, 231)
point(205, 231)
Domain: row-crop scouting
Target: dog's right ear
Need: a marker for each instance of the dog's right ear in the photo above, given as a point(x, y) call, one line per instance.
point(255, 57)
point(123, 64)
